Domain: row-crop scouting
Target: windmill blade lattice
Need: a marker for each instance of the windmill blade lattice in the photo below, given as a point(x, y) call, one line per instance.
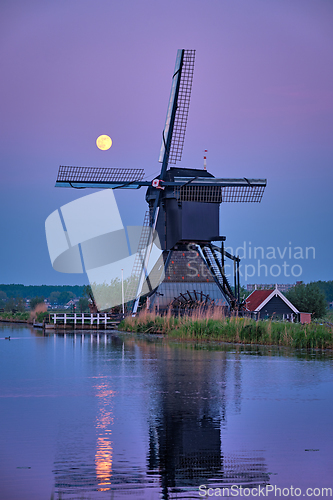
point(242, 194)
point(183, 104)
point(213, 190)
point(139, 265)
point(177, 113)
point(90, 176)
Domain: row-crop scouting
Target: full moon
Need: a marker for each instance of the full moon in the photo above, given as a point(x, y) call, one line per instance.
point(103, 142)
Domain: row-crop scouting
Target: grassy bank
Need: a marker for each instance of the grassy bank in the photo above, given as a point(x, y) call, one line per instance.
point(239, 330)
point(18, 317)
point(23, 317)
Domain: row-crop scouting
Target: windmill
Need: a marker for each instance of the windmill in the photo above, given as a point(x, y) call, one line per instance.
point(183, 208)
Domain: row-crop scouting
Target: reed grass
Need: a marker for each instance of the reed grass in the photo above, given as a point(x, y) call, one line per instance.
point(19, 316)
point(213, 325)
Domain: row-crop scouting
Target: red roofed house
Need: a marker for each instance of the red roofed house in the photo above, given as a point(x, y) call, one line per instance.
point(267, 303)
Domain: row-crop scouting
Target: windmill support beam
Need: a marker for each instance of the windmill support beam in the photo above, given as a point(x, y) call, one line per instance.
point(225, 280)
point(227, 292)
point(233, 296)
point(235, 279)
point(238, 297)
point(79, 182)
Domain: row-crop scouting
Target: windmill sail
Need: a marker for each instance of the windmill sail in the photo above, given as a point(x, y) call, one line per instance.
point(214, 190)
point(183, 104)
point(97, 177)
point(179, 103)
point(174, 130)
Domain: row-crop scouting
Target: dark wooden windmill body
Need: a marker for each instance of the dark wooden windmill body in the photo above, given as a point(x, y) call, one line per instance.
point(184, 209)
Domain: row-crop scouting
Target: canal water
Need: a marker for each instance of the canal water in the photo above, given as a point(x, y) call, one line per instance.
point(115, 416)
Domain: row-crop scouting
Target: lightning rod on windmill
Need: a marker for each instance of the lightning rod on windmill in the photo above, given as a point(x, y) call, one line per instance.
point(205, 160)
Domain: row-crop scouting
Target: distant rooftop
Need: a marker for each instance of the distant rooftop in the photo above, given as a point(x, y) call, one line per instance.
point(256, 299)
point(282, 287)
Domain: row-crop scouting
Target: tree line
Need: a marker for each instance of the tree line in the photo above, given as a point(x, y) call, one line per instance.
point(308, 298)
point(30, 291)
point(13, 297)
point(327, 288)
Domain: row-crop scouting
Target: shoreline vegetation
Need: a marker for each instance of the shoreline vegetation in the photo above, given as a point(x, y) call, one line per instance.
point(212, 326)
point(20, 317)
point(27, 317)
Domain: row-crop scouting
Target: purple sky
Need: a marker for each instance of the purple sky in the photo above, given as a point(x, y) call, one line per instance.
point(262, 104)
